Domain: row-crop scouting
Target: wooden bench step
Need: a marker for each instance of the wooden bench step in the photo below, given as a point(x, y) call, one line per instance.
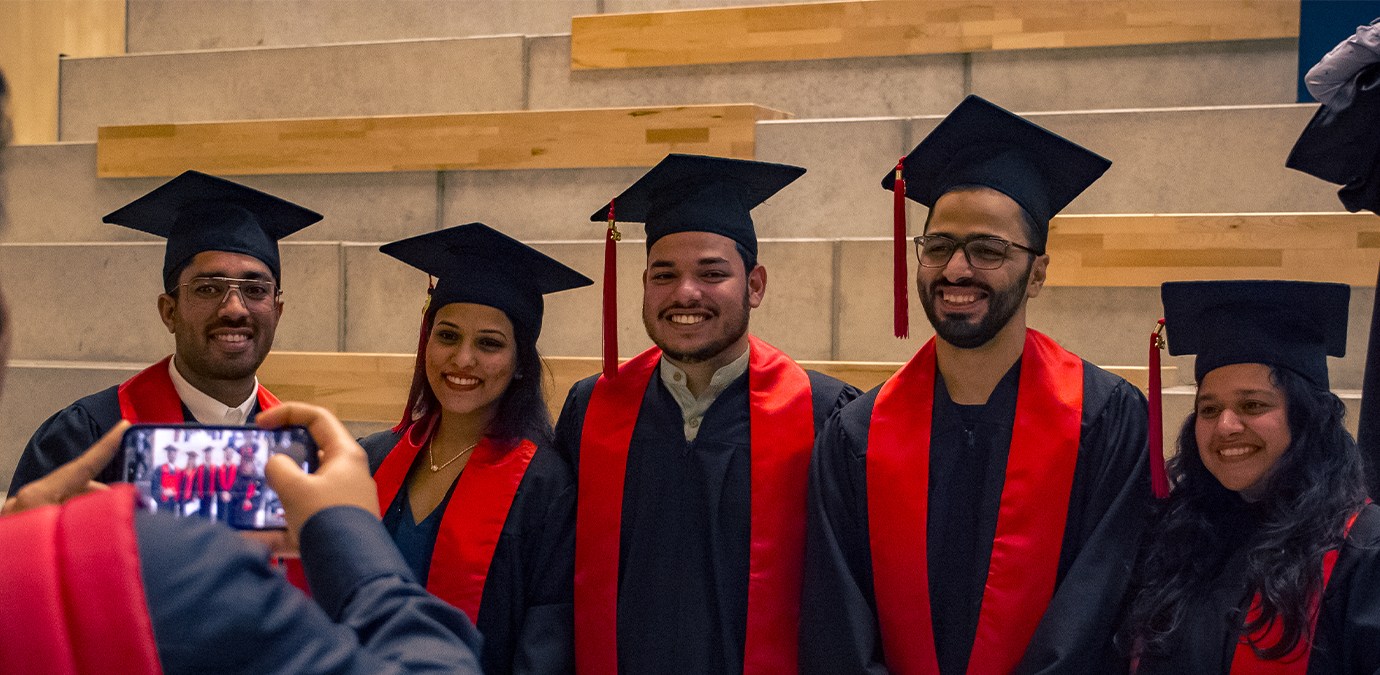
point(535, 139)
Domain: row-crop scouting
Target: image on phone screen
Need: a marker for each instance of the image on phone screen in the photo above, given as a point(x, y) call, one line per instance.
point(212, 473)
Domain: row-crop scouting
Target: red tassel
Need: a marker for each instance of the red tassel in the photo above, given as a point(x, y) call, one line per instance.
point(611, 297)
point(1159, 479)
point(900, 275)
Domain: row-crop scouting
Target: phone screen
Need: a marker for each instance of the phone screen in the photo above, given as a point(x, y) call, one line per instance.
point(214, 473)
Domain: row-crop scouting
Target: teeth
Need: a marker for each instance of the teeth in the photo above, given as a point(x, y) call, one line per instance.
point(235, 338)
point(686, 319)
point(959, 299)
point(462, 381)
point(1235, 452)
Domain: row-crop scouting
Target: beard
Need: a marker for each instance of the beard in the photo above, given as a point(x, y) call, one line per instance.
point(973, 333)
point(734, 329)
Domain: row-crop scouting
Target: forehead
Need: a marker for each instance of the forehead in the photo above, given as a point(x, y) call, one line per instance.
point(688, 248)
point(978, 211)
point(226, 264)
point(474, 315)
point(1230, 379)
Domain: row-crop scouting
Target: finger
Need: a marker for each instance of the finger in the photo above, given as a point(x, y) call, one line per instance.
point(329, 433)
point(10, 506)
point(94, 486)
point(282, 473)
point(71, 478)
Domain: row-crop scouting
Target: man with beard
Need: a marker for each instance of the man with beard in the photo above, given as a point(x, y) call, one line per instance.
point(692, 457)
point(221, 301)
point(979, 511)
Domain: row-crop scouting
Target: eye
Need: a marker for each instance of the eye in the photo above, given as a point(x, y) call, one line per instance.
point(492, 344)
point(256, 290)
point(987, 249)
point(207, 288)
point(662, 276)
point(938, 247)
point(714, 274)
point(1255, 407)
point(446, 335)
point(1209, 411)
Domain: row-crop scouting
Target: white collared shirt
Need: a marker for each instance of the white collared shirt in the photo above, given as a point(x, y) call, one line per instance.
point(208, 410)
point(692, 408)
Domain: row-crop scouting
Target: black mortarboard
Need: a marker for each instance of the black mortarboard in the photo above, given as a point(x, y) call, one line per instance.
point(476, 263)
point(695, 193)
point(979, 143)
point(1290, 324)
point(687, 193)
point(197, 212)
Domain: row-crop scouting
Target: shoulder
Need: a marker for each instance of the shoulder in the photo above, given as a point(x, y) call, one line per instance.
point(378, 445)
point(549, 470)
point(101, 409)
point(848, 429)
point(831, 388)
point(1107, 394)
point(582, 390)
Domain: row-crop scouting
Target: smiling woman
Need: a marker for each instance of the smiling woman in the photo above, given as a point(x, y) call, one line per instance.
point(1268, 508)
point(480, 506)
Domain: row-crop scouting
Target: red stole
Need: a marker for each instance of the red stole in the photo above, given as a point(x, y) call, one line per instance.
point(474, 517)
point(1246, 662)
point(1030, 518)
point(150, 398)
point(781, 419)
point(71, 589)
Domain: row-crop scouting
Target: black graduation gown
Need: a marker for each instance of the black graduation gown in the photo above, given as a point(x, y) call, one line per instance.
point(218, 607)
point(684, 539)
point(969, 444)
point(71, 431)
point(1348, 630)
point(526, 612)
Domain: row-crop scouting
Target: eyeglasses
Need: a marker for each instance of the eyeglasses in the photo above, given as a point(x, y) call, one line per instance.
point(257, 295)
point(984, 253)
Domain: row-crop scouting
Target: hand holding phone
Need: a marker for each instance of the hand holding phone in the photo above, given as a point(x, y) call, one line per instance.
point(341, 480)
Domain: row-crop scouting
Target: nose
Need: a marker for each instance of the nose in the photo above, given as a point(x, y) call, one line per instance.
point(1229, 423)
point(465, 356)
point(688, 289)
point(233, 303)
point(958, 267)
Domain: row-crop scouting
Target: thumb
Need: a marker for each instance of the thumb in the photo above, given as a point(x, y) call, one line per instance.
point(283, 475)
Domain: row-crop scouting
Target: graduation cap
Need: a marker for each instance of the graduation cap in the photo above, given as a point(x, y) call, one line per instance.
point(476, 263)
point(1288, 324)
point(979, 143)
point(687, 193)
point(197, 212)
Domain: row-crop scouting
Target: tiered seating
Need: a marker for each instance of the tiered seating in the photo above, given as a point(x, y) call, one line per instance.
point(1210, 145)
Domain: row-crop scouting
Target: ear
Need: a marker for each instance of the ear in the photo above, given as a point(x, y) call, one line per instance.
point(757, 286)
point(167, 306)
point(1038, 269)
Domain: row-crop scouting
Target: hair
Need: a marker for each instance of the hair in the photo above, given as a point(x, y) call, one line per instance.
point(1035, 232)
point(5, 128)
point(1311, 492)
point(521, 411)
point(749, 259)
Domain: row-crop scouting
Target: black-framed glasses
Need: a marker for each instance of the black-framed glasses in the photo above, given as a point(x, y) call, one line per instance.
point(258, 295)
point(984, 253)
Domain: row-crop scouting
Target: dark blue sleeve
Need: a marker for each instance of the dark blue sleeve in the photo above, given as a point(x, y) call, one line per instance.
point(217, 605)
point(68, 433)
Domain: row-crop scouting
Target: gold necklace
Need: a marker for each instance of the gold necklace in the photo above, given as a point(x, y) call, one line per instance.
point(450, 461)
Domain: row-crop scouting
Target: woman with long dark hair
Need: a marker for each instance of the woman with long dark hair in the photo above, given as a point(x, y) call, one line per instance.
point(479, 504)
point(1266, 553)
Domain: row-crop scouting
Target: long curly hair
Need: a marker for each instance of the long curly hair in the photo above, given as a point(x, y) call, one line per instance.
point(1317, 484)
point(522, 411)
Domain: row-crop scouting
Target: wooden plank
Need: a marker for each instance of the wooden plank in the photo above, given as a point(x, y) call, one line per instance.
point(1147, 250)
point(33, 36)
point(542, 139)
point(361, 387)
point(871, 28)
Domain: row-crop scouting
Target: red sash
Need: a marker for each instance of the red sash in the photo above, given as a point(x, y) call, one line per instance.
point(1246, 662)
point(1030, 519)
point(781, 420)
point(150, 398)
point(474, 517)
point(71, 590)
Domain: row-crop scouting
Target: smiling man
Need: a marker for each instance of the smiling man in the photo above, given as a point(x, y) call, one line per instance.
point(692, 458)
point(221, 301)
point(979, 511)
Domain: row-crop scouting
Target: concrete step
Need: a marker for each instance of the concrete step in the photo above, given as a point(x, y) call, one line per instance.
point(826, 300)
point(1168, 160)
point(446, 75)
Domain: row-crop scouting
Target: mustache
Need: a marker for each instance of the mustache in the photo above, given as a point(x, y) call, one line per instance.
point(966, 283)
point(681, 306)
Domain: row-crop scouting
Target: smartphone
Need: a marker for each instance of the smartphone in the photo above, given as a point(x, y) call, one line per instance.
point(213, 473)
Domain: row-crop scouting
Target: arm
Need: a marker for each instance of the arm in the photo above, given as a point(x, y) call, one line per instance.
point(1112, 502)
point(838, 617)
point(1341, 64)
point(571, 423)
point(546, 636)
point(214, 599)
